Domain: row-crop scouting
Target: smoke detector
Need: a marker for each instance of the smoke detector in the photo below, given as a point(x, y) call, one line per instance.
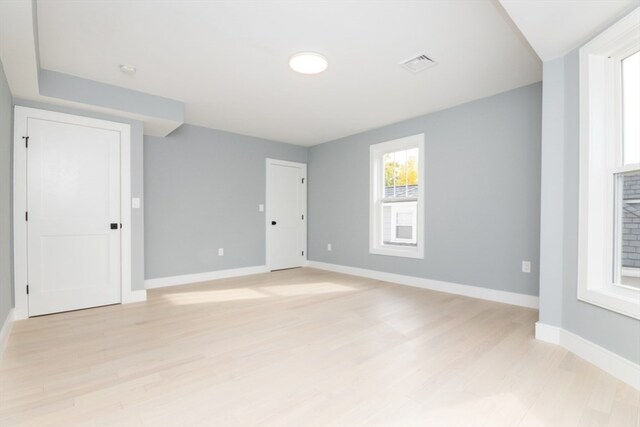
point(418, 63)
point(128, 69)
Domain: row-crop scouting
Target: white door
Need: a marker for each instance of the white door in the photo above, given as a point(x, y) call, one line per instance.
point(73, 222)
point(286, 214)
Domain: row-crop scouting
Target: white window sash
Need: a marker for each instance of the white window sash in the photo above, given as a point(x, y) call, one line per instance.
point(600, 162)
point(377, 199)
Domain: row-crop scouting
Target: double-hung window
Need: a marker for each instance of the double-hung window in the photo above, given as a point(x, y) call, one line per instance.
point(609, 225)
point(396, 197)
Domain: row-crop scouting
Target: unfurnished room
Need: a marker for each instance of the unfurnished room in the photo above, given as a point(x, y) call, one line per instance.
point(319, 213)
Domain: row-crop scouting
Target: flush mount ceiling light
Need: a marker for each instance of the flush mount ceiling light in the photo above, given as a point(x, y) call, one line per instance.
point(308, 63)
point(128, 69)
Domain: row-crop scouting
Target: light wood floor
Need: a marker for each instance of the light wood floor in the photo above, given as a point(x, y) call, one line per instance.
point(300, 348)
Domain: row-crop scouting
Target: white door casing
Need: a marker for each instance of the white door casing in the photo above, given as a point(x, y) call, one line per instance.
point(286, 200)
point(67, 215)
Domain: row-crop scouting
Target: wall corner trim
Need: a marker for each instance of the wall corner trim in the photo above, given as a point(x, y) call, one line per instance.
point(186, 279)
point(5, 331)
point(505, 297)
point(613, 364)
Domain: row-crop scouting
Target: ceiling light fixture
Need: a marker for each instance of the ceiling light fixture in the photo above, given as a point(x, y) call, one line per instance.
point(128, 69)
point(308, 63)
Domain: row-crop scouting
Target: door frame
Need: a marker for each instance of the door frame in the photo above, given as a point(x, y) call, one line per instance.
point(20, 254)
point(271, 162)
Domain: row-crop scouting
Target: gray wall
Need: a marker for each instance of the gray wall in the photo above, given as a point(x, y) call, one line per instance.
point(203, 188)
point(615, 332)
point(76, 89)
point(482, 194)
point(552, 194)
point(137, 190)
point(6, 263)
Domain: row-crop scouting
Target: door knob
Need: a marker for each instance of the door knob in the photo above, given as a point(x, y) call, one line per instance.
point(273, 223)
point(114, 225)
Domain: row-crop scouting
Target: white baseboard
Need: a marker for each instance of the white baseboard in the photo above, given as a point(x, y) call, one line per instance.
point(5, 331)
point(134, 296)
point(20, 314)
point(548, 333)
point(162, 282)
point(128, 297)
point(512, 298)
point(613, 364)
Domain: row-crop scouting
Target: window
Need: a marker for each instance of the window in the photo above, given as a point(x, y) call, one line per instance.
point(396, 197)
point(609, 226)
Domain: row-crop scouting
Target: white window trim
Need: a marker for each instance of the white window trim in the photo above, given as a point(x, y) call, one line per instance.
point(600, 118)
point(376, 182)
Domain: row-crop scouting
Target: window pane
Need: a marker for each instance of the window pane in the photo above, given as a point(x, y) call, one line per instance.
point(401, 174)
point(404, 232)
point(628, 217)
point(399, 223)
point(412, 166)
point(631, 108)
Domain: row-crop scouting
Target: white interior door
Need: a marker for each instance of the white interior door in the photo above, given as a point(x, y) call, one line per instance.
point(73, 198)
point(286, 214)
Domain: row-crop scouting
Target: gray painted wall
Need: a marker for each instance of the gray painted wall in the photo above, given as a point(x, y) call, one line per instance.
point(77, 89)
point(552, 193)
point(203, 188)
point(137, 188)
point(482, 194)
point(6, 257)
point(613, 331)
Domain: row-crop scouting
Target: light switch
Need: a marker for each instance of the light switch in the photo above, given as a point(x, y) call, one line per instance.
point(220, 251)
point(329, 248)
point(261, 207)
point(526, 266)
point(135, 203)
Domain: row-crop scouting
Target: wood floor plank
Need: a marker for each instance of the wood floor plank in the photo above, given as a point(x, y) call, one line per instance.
point(298, 348)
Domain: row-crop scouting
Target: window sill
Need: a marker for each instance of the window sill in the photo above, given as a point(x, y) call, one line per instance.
point(403, 252)
point(613, 298)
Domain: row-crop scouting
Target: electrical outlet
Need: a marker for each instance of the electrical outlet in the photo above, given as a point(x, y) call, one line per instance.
point(220, 251)
point(329, 247)
point(135, 203)
point(526, 266)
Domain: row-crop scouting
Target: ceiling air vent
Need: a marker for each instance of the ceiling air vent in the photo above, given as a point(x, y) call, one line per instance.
point(419, 63)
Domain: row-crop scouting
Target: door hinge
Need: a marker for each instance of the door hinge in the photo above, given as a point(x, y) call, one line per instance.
point(27, 289)
point(303, 180)
point(26, 216)
point(302, 216)
point(302, 253)
point(26, 141)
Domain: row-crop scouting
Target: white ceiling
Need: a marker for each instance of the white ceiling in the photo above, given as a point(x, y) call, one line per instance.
point(555, 27)
point(228, 60)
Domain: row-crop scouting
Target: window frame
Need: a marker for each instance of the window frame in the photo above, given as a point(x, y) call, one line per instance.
point(601, 151)
point(376, 198)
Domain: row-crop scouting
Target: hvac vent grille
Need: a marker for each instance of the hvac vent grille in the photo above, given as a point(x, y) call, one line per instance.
point(419, 63)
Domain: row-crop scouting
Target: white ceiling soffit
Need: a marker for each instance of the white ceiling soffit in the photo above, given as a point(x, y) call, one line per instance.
point(17, 48)
point(228, 60)
point(556, 27)
point(19, 56)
